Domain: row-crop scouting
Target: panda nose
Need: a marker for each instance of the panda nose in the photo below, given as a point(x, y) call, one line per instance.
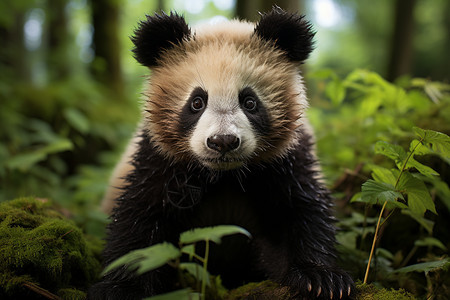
point(223, 143)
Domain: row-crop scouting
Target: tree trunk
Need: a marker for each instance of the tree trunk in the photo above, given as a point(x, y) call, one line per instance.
point(13, 54)
point(106, 66)
point(400, 61)
point(446, 59)
point(58, 57)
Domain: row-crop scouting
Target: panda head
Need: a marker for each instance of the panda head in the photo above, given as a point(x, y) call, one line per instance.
point(224, 95)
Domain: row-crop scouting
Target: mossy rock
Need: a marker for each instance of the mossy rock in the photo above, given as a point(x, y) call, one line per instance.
point(269, 290)
point(44, 255)
point(371, 292)
point(264, 290)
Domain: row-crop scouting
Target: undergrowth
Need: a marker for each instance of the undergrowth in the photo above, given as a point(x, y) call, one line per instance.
point(43, 253)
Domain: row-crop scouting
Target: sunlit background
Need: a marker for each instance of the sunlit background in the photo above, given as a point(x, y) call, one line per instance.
point(349, 33)
point(70, 87)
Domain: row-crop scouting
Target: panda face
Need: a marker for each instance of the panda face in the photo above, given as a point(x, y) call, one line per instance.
point(224, 127)
point(224, 99)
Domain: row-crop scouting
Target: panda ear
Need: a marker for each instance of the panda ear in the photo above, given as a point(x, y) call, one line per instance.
point(290, 32)
point(156, 34)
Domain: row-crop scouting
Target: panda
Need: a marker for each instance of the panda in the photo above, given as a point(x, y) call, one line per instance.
point(225, 140)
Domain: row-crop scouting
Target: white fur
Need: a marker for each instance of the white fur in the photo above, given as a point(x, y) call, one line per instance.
point(223, 116)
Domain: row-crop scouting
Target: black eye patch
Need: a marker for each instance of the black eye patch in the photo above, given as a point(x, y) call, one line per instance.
point(254, 110)
point(193, 109)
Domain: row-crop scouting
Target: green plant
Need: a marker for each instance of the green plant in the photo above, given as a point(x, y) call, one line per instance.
point(402, 188)
point(351, 114)
point(357, 116)
point(153, 257)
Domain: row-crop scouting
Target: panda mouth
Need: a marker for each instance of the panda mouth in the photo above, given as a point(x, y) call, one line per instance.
point(222, 163)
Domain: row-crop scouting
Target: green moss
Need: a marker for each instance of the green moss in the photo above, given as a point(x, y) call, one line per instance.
point(265, 290)
point(41, 249)
point(371, 292)
point(71, 294)
point(270, 290)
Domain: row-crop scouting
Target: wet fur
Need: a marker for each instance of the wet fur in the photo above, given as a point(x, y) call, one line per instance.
point(277, 195)
point(281, 203)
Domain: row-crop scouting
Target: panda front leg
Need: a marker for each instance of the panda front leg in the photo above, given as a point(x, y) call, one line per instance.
point(311, 280)
point(311, 271)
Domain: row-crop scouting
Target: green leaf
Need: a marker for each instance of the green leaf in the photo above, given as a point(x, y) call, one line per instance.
point(59, 145)
point(425, 170)
point(197, 271)
point(322, 74)
point(25, 161)
point(394, 152)
point(335, 90)
point(184, 294)
point(430, 241)
point(214, 234)
point(356, 198)
point(146, 259)
point(440, 187)
point(437, 141)
point(381, 174)
point(426, 267)
point(418, 148)
point(77, 119)
point(370, 105)
point(374, 192)
point(419, 199)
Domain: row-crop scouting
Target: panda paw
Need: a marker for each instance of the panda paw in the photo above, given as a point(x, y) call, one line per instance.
point(318, 282)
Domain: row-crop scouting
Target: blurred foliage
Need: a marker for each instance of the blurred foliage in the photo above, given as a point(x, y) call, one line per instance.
point(57, 140)
point(363, 124)
point(353, 113)
point(362, 37)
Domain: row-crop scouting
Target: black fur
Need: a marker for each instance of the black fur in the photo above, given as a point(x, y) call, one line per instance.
point(285, 209)
point(157, 34)
point(188, 117)
point(290, 32)
point(259, 118)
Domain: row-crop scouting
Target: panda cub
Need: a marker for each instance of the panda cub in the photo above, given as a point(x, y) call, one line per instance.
point(225, 140)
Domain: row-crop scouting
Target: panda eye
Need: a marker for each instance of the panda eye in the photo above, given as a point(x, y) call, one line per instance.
point(249, 103)
point(197, 104)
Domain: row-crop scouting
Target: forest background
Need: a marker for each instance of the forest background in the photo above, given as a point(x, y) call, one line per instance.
point(70, 100)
